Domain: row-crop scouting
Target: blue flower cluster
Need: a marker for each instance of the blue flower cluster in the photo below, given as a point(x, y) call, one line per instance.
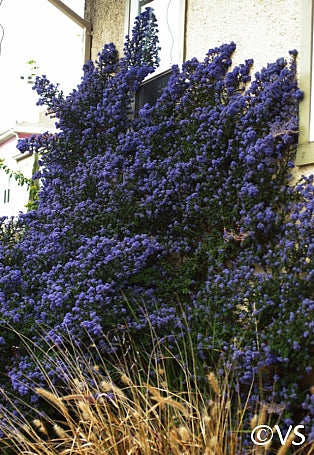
point(180, 218)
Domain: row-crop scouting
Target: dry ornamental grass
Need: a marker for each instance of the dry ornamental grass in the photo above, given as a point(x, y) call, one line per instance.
point(136, 414)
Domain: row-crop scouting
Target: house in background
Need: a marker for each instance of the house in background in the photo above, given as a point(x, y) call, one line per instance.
point(262, 29)
point(14, 197)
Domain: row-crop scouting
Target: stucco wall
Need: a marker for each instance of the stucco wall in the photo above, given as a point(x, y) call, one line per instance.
point(262, 29)
point(107, 18)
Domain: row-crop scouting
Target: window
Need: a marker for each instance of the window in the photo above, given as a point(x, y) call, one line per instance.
point(6, 198)
point(6, 195)
point(305, 154)
point(150, 90)
point(170, 16)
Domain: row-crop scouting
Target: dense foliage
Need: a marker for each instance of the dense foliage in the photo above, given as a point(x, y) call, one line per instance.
point(179, 218)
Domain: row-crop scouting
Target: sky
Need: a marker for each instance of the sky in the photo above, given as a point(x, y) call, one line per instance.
point(36, 30)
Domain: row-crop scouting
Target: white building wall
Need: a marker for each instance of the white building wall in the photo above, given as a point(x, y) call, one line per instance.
point(262, 29)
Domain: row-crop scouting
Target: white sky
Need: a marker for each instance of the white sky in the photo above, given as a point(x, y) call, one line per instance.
point(36, 30)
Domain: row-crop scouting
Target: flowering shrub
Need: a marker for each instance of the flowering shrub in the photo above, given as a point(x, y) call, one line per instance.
point(181, 218)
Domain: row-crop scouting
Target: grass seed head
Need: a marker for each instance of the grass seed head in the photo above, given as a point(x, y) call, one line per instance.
point(213, 382)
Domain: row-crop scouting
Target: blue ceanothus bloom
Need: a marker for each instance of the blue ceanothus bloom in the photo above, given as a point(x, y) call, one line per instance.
point(180, 217)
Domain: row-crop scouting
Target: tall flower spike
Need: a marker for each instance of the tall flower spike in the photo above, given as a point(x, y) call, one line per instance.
point(141, 49)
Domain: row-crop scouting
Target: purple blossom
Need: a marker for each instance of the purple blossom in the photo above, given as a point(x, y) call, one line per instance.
point(178, 219)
